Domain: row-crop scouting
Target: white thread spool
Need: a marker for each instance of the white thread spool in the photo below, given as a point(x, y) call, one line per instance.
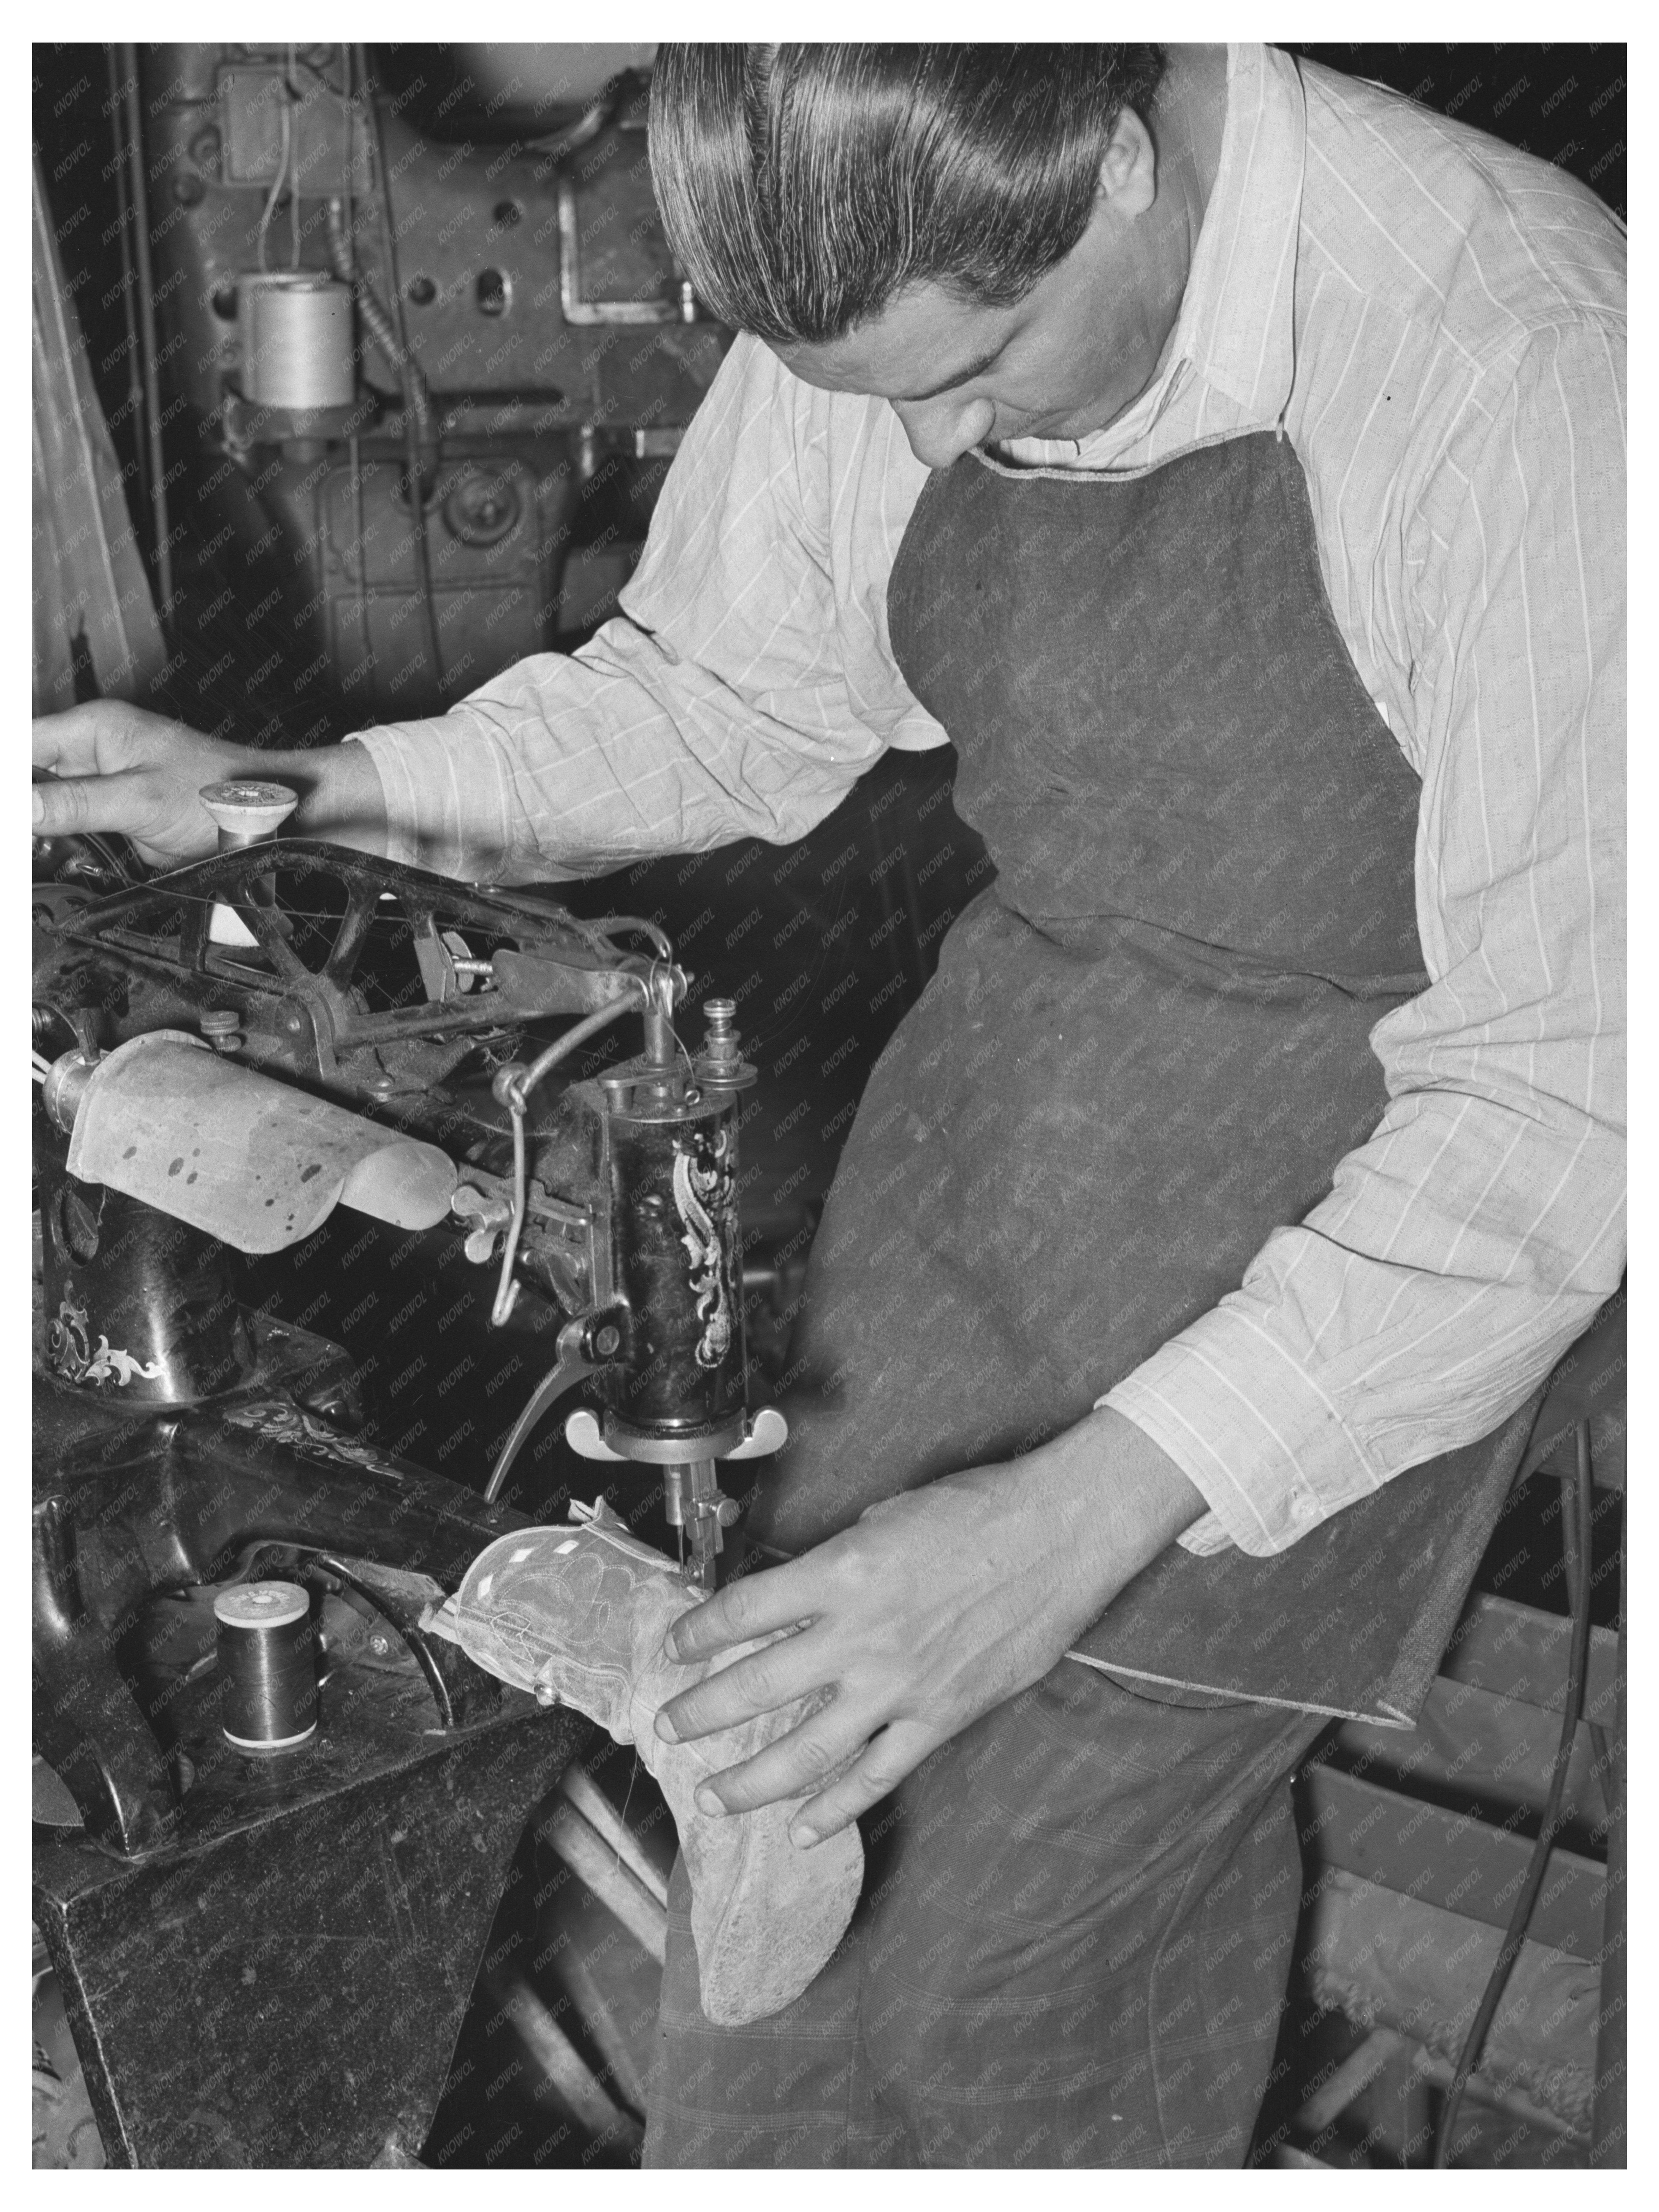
point(249, 284)
point(296, 340)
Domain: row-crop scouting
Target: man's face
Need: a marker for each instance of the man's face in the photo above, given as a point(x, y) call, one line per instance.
point(1080, 348)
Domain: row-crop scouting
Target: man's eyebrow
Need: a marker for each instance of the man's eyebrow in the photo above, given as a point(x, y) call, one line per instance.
point(974, 368)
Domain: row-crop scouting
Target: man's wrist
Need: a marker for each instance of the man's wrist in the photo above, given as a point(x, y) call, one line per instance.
point(1122, 1494)
point(341, 797)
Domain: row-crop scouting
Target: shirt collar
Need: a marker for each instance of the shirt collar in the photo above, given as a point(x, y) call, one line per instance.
point(1236, 319)
point(1235, 331)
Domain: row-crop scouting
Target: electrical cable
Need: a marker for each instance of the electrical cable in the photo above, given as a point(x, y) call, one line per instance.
point(293, 100)
point(375, 314)
point(516, 1097)
point(147, 334)
point(277, 183)
point(298, 61)
point(610, 926)
point(352, 121)
point(587, 126)
point(1600, 1747)
point(129, 279)
point(347, 227)
point(417, 417)
point(1583, 1521)
point(417, 431)
point(343, 261)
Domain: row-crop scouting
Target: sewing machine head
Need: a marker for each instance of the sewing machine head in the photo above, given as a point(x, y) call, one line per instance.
point(227, 1052)
point(217, 1056)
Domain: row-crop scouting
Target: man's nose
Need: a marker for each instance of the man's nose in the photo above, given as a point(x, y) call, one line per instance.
point(941, 431)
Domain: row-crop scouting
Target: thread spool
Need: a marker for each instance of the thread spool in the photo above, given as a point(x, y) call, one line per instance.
point(295, 328)
point(249, 285)
point(245, 813)
point(267, 1666)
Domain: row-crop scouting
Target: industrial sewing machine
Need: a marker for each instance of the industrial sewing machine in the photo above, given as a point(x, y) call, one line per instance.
point(215, 1076)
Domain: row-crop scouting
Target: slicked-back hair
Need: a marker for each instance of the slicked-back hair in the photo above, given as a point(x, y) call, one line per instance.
point(803, 187)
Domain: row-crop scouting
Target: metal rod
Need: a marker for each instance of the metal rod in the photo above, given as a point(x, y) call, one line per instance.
point(1356, 2074)
point(589, 1800)
point(556, 2054)
point(621, 1891)
point(158, 490)
point(128, 280)
point(1572, 1707)
point(1609, 2130)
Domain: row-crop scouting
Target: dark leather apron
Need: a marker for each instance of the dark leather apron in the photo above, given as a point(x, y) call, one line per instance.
point(1146, 1046)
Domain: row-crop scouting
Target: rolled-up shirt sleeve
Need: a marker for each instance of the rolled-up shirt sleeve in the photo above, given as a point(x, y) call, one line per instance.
point(724, 702)
point(1463, 1249)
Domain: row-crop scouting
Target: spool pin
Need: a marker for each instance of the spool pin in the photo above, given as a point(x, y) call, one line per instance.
point(245, 812)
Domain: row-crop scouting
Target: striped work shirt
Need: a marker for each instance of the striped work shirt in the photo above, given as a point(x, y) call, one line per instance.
point(1436, 323)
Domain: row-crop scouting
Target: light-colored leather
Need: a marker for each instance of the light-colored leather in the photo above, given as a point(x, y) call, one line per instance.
point(577, 1615)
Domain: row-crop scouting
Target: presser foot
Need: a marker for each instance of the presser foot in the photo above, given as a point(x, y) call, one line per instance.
point(695, 1506)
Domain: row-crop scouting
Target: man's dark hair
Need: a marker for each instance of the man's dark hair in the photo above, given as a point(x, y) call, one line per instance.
point(802, 188)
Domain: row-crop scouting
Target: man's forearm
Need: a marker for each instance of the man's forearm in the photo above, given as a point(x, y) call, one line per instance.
point(340, 796)
point(1121, 1498)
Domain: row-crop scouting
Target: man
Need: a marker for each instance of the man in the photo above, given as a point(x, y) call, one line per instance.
point(1229, 458)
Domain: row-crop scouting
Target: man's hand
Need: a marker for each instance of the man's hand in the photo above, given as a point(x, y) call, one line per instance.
point(114, 767)
point(937, 1606)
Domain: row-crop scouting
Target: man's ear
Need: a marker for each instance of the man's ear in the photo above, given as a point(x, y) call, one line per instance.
point(1128, 170)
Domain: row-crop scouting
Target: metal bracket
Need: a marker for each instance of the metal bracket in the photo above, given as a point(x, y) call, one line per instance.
point(581, 1434)
point(579, 311)
point(764, 1432)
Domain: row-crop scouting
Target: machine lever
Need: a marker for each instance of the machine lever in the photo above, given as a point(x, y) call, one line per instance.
point(585, 1345)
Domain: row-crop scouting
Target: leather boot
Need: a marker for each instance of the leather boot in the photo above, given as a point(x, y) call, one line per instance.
point(577, 1614)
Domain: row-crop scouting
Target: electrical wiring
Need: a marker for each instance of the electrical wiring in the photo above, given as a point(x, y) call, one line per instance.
point(416, 412)
point(297, 61)
point(609, 926)
point(587, 126)
point(277, 183)
point(128, 280)
point(349, 228)
point(292, 101)
point(515, 1095)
